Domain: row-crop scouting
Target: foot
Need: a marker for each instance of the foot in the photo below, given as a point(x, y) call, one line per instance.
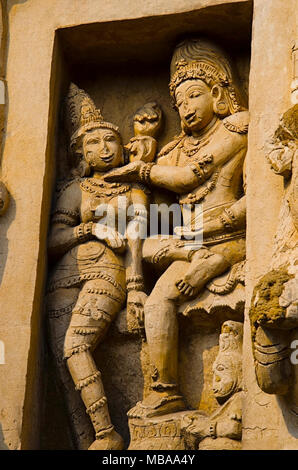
point(157, 404)
point(111, 441)
point(204, 265)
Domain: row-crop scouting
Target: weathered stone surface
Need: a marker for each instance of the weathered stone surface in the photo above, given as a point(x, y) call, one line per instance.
point(268, 422)
point(93, 44)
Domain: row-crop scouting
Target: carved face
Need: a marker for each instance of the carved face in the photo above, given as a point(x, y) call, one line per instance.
point(224, 378)
point(195, 104)
point(102, 149)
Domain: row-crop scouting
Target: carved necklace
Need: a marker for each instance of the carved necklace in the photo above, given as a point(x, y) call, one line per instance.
point(190, 146)
point(192, 199)
point(103, 188)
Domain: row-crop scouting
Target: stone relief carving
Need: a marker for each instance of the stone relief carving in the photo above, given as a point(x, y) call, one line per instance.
point(223, 429)
point(204, 164)
point(95, 267)
point(274, 309)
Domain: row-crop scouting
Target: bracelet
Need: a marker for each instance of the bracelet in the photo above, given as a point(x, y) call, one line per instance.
point(83, 232)
point(145, 172)
point(137, 286)
point(212, 430)
point(134, 279)
point(228, 219)
point(199, 172)
point(135, 283)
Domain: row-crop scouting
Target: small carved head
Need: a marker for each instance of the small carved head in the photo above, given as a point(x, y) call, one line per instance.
point(227, 368)
point(102, 149)
point(227, 371)
point(95, 142)
point(147, 120)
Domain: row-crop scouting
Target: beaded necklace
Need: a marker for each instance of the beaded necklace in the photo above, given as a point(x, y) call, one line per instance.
point(103, 188)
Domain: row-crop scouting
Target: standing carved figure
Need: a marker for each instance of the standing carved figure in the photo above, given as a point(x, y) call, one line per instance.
point(204, 165)
point(95, 264)
point(223, 429)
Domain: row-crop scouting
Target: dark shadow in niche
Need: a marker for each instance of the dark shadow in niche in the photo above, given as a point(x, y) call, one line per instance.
point(55, 430)
point(3, 446)
point(11, 3)
point(118, 359)
point(5, 221)
point(197, 352)
point(290, 416)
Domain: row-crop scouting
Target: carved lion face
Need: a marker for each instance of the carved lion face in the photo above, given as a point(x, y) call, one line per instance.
point(195, 104)
point(102, 149)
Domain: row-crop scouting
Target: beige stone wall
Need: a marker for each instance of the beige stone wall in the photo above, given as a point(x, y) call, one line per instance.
point(266, 422)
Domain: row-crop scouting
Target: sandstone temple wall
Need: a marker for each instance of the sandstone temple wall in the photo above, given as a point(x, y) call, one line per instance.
point(43, 47)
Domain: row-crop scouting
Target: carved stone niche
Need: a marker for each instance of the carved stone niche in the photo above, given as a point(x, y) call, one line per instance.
point(120, 78)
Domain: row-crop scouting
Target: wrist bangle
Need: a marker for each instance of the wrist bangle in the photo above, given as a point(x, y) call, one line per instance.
point(136, 286)
point(212, 430)
point(134, 279)
point(83, 232)
point(228, 219)
point(145, 172)
point(134, 283)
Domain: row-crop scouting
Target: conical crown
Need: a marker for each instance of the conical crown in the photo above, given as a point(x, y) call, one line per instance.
point(83, 115)
point(231, 337)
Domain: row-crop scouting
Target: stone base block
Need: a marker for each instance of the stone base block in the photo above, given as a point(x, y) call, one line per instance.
point(158, 433)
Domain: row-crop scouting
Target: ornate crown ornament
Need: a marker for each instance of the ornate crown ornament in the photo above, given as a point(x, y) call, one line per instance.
point(200, 59)
point(200, 70)
point(231, 337)
point(83, 115)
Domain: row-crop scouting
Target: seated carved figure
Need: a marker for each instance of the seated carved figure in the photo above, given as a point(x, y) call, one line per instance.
point(204, 165)
point(223, 429)
point(95, 266)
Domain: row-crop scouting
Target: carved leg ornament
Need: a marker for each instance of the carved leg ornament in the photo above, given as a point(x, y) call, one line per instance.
point(91, 317)
point(60, 305)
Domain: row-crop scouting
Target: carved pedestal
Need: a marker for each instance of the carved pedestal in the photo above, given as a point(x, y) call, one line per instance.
point(158, 433)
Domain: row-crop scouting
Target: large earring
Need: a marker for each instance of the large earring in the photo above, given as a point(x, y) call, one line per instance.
point(220, 108)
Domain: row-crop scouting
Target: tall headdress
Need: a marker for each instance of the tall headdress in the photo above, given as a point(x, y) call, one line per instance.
point(230, 350)
point(231, 337)
point(83, 116)
point(200, 59)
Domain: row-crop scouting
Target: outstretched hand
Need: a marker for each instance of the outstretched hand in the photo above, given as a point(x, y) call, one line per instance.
point(127, 173)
